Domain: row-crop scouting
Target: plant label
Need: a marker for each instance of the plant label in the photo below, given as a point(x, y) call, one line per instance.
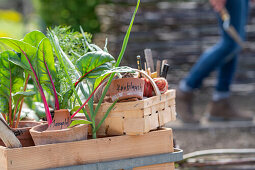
point(126, 88)
point(61, 120)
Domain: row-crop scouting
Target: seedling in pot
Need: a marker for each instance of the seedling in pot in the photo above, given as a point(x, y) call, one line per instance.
point(13, 86)
point(36, 58)
point(94, 67)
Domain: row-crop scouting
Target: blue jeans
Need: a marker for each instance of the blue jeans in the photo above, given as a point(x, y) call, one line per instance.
point(223, 56)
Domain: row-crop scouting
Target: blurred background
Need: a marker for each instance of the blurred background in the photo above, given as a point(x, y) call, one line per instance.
point(176, 30)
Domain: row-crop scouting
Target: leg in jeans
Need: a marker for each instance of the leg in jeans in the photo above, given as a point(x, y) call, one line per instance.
point(226, 71)
point(225, 50)
point(221, 57)
point(221, 108)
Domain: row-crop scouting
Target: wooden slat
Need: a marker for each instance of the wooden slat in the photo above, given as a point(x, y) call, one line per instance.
point(114, 125)
point(165, 166)
point(134, 126)
point(138, 113)
point(141, 104)
point(119, 107)
point(88, 151)
point(3, 159)
point(154, 123)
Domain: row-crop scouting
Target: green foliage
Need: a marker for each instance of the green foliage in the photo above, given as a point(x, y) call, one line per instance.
point(70, 12)
point(11, 79)
point(31, 56)
point(71, 42)
point(93, 112)
point(72, 48)
point(11, 83)
point(21, 94)
point(123, 49)
point(65, 63)
point(92, 64)
point(36, 57)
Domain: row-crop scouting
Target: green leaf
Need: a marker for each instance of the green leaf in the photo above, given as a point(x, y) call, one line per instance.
point(45, 54)
point(34, 56)
point(78, 122)
point(19, 95)
point(75, 109)
point(66, 97)
point(32, 59)
point(11, 77)
point(34, 38)
point(93, 63)
point(66, 63)
point(3, 104)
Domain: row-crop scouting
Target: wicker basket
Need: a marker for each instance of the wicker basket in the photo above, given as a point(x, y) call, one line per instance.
point(138, 117)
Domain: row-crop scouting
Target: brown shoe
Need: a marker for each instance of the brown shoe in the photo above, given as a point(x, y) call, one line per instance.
point(184, 106)
point(223, 110)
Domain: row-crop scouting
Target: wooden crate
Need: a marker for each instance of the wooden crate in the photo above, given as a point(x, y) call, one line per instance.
point(87, 151)
point(138, 117)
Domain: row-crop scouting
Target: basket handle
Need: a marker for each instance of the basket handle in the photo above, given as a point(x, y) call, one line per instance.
point(155, 87)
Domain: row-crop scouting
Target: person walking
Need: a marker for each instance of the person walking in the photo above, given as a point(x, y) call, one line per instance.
point(223, 58)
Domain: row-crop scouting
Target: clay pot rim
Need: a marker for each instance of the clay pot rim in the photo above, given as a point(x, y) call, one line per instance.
point(32, 130)
point(29, 127)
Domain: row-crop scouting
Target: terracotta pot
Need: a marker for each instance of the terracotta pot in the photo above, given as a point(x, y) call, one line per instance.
point(23, 133)
point(43, 137)
point(126, 88)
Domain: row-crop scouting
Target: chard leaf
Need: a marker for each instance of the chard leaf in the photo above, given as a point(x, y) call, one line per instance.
point(3, 104)
point(48, 61)
point(19, 95)
point(93, 63)
point(34, 38)
point(32, 60)
point(45, 57)
point(11, 79)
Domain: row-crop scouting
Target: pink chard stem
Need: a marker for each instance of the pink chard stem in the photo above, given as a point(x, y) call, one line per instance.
point(88, 98)
point(81, 78)
point(52, 83)
point(46, 106)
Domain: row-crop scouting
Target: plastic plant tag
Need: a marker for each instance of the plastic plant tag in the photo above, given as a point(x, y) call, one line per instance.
point(61, 120)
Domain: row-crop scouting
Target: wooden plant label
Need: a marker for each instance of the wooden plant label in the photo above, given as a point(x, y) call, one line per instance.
point(61, 120)
point(126, 88)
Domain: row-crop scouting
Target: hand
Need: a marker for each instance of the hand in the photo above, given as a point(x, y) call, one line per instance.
point(218, 5)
